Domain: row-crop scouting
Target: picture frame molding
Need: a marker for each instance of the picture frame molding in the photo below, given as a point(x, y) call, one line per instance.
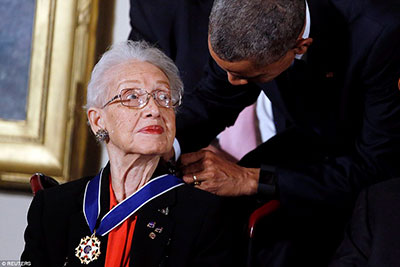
point(53, 137)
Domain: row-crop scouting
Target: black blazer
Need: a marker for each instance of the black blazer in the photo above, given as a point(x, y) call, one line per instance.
point(373, 237)
point(337, 111)
point(179, 28)
point(194, 232)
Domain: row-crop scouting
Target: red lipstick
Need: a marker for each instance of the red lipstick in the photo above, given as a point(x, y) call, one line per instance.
point(152, 129)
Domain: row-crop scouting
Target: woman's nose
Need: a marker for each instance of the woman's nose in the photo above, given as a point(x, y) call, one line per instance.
point(152, 109)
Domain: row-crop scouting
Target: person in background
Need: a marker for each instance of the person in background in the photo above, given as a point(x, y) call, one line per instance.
point(177, 28)
point(331, 70)
point(135, 212)
point(373, 237)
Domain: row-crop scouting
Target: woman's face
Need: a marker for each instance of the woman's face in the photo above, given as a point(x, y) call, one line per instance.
point(149, 130)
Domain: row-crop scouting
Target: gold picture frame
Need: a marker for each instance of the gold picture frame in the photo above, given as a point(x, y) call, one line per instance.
point(53, 137)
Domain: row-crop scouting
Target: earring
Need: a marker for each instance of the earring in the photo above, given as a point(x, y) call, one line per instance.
point(102, 135)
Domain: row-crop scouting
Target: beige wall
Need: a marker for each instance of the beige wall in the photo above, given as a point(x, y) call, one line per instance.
point(14, 205)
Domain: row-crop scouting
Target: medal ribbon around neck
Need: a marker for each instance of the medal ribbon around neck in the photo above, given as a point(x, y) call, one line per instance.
point(88, 249)
point(124, 209)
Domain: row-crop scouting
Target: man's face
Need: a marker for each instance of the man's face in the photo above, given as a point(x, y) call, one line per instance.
point(244, 71)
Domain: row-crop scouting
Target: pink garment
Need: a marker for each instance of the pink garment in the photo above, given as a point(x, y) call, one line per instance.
point(243, 136)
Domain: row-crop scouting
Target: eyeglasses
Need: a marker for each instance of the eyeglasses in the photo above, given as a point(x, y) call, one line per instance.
point(138, 98)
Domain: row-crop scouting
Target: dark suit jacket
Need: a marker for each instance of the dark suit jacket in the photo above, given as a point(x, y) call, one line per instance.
point(192, 233)
point(373, 237)
point(337, 111)
point(179, 28)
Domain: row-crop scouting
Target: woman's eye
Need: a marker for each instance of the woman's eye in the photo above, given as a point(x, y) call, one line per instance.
point(164, 97)
point(132, 97)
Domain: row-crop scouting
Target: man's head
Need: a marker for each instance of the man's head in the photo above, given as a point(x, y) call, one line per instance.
point(256, 40)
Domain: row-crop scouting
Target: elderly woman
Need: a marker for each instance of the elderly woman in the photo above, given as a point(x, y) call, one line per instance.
point(134, 212)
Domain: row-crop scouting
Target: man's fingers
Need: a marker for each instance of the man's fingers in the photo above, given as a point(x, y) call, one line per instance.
point(192, 168)
point(200, 155)
point(199, 183)
point(189, 158)
point(209, 172)
point(194, 177)
point(188, 179)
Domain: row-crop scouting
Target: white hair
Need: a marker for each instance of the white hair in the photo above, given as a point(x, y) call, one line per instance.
point(125, 52)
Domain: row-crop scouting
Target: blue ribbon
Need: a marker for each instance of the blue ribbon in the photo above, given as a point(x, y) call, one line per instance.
point(127, 207)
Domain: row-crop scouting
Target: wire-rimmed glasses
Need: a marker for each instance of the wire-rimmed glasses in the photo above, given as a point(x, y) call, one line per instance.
point(139, 97)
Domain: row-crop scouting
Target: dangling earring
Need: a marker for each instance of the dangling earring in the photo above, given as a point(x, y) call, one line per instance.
point(102, 135)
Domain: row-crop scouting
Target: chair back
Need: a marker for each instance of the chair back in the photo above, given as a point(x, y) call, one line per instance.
point(40, 181)
point(263, 213)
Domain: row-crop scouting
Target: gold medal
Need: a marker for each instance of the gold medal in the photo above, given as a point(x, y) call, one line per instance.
point(88, 249)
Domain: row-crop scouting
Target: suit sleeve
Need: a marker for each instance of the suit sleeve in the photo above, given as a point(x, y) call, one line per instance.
point(333, 183)
point(35, 250)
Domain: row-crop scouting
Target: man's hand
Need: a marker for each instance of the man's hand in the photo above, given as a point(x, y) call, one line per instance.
point(218, 175)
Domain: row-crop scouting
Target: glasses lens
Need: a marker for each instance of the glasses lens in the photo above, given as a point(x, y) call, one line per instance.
point(164, 98)
point(138, 98)
point(133, 97)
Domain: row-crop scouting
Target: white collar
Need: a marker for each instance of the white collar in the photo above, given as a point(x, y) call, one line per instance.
point(308, 23)
point(306, 32)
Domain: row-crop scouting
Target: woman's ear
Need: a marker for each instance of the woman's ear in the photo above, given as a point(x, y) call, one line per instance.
point(95, 119)
point(302, 45)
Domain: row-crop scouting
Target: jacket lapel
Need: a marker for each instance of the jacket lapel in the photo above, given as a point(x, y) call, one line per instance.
point(153, 231)
point(282, 118)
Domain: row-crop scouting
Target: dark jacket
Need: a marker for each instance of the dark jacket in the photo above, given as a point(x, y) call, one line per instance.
point(373, 236)
point(194, 233)
point(179, 28)
point(342, 104)
point(336, 111)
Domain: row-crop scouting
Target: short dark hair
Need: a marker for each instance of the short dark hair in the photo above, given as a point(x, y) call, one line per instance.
point(258, 30)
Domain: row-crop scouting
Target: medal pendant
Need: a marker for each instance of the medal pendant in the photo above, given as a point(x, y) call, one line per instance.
point(88, 249)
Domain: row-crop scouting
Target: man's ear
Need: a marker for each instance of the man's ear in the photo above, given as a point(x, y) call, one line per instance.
point(95, 119)
point(302, 45)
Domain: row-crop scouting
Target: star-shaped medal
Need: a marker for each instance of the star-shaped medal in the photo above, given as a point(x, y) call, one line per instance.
point(88, 249)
